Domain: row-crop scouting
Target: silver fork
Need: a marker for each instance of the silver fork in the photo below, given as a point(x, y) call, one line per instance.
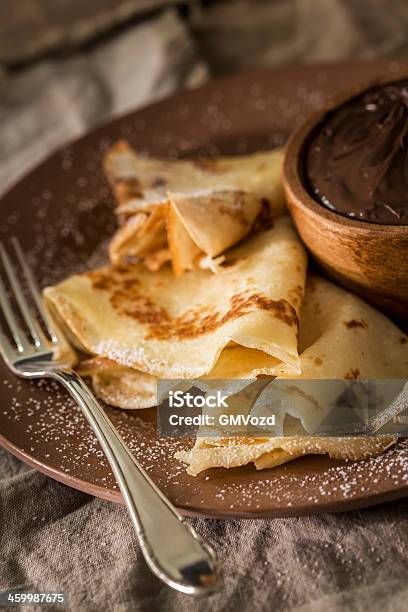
point(172, 549)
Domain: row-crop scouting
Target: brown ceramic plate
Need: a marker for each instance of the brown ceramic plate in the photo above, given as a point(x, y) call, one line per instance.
point(61, 213)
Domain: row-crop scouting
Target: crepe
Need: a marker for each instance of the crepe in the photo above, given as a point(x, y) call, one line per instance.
point(271, 452)
point(332, 346)
point(125, 387)
point(118, 385)
point(341, 338)
point(189, 212)
point(177, 327)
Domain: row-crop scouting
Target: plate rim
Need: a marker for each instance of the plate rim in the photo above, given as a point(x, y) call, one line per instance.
point(362, 502)
point(241, 75)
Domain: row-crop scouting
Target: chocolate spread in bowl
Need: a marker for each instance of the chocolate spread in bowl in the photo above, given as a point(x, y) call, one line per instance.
point(356, 161)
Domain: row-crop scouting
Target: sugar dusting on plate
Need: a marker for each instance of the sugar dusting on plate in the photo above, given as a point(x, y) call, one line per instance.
point(56, 433)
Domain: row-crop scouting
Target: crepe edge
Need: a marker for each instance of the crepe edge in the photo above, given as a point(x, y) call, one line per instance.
point(268, 455)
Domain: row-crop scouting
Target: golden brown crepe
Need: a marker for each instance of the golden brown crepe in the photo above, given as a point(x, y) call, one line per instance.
point(118, 385)
point(188, 212)
point(341, 337)
point(177, 327)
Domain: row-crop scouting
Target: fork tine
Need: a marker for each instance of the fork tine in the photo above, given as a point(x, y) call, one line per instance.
point(17, 333)
point(32, 325)
point(32, 284)
point(6, 350)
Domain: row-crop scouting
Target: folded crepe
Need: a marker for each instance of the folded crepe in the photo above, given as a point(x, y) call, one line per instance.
point(341, 337)
point(177, 327)
point(189, 212)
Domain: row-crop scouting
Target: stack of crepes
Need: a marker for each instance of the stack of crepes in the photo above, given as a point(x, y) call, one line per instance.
point(208, 281)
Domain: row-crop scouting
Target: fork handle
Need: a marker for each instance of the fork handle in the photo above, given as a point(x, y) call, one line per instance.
point(171, 548)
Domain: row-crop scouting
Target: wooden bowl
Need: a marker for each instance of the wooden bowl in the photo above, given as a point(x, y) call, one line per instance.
point(368, 258)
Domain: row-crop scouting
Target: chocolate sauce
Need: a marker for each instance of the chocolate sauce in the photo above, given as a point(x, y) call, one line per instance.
point(356, 162)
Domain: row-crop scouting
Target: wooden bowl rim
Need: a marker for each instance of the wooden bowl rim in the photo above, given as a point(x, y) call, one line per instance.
point(294, 184)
